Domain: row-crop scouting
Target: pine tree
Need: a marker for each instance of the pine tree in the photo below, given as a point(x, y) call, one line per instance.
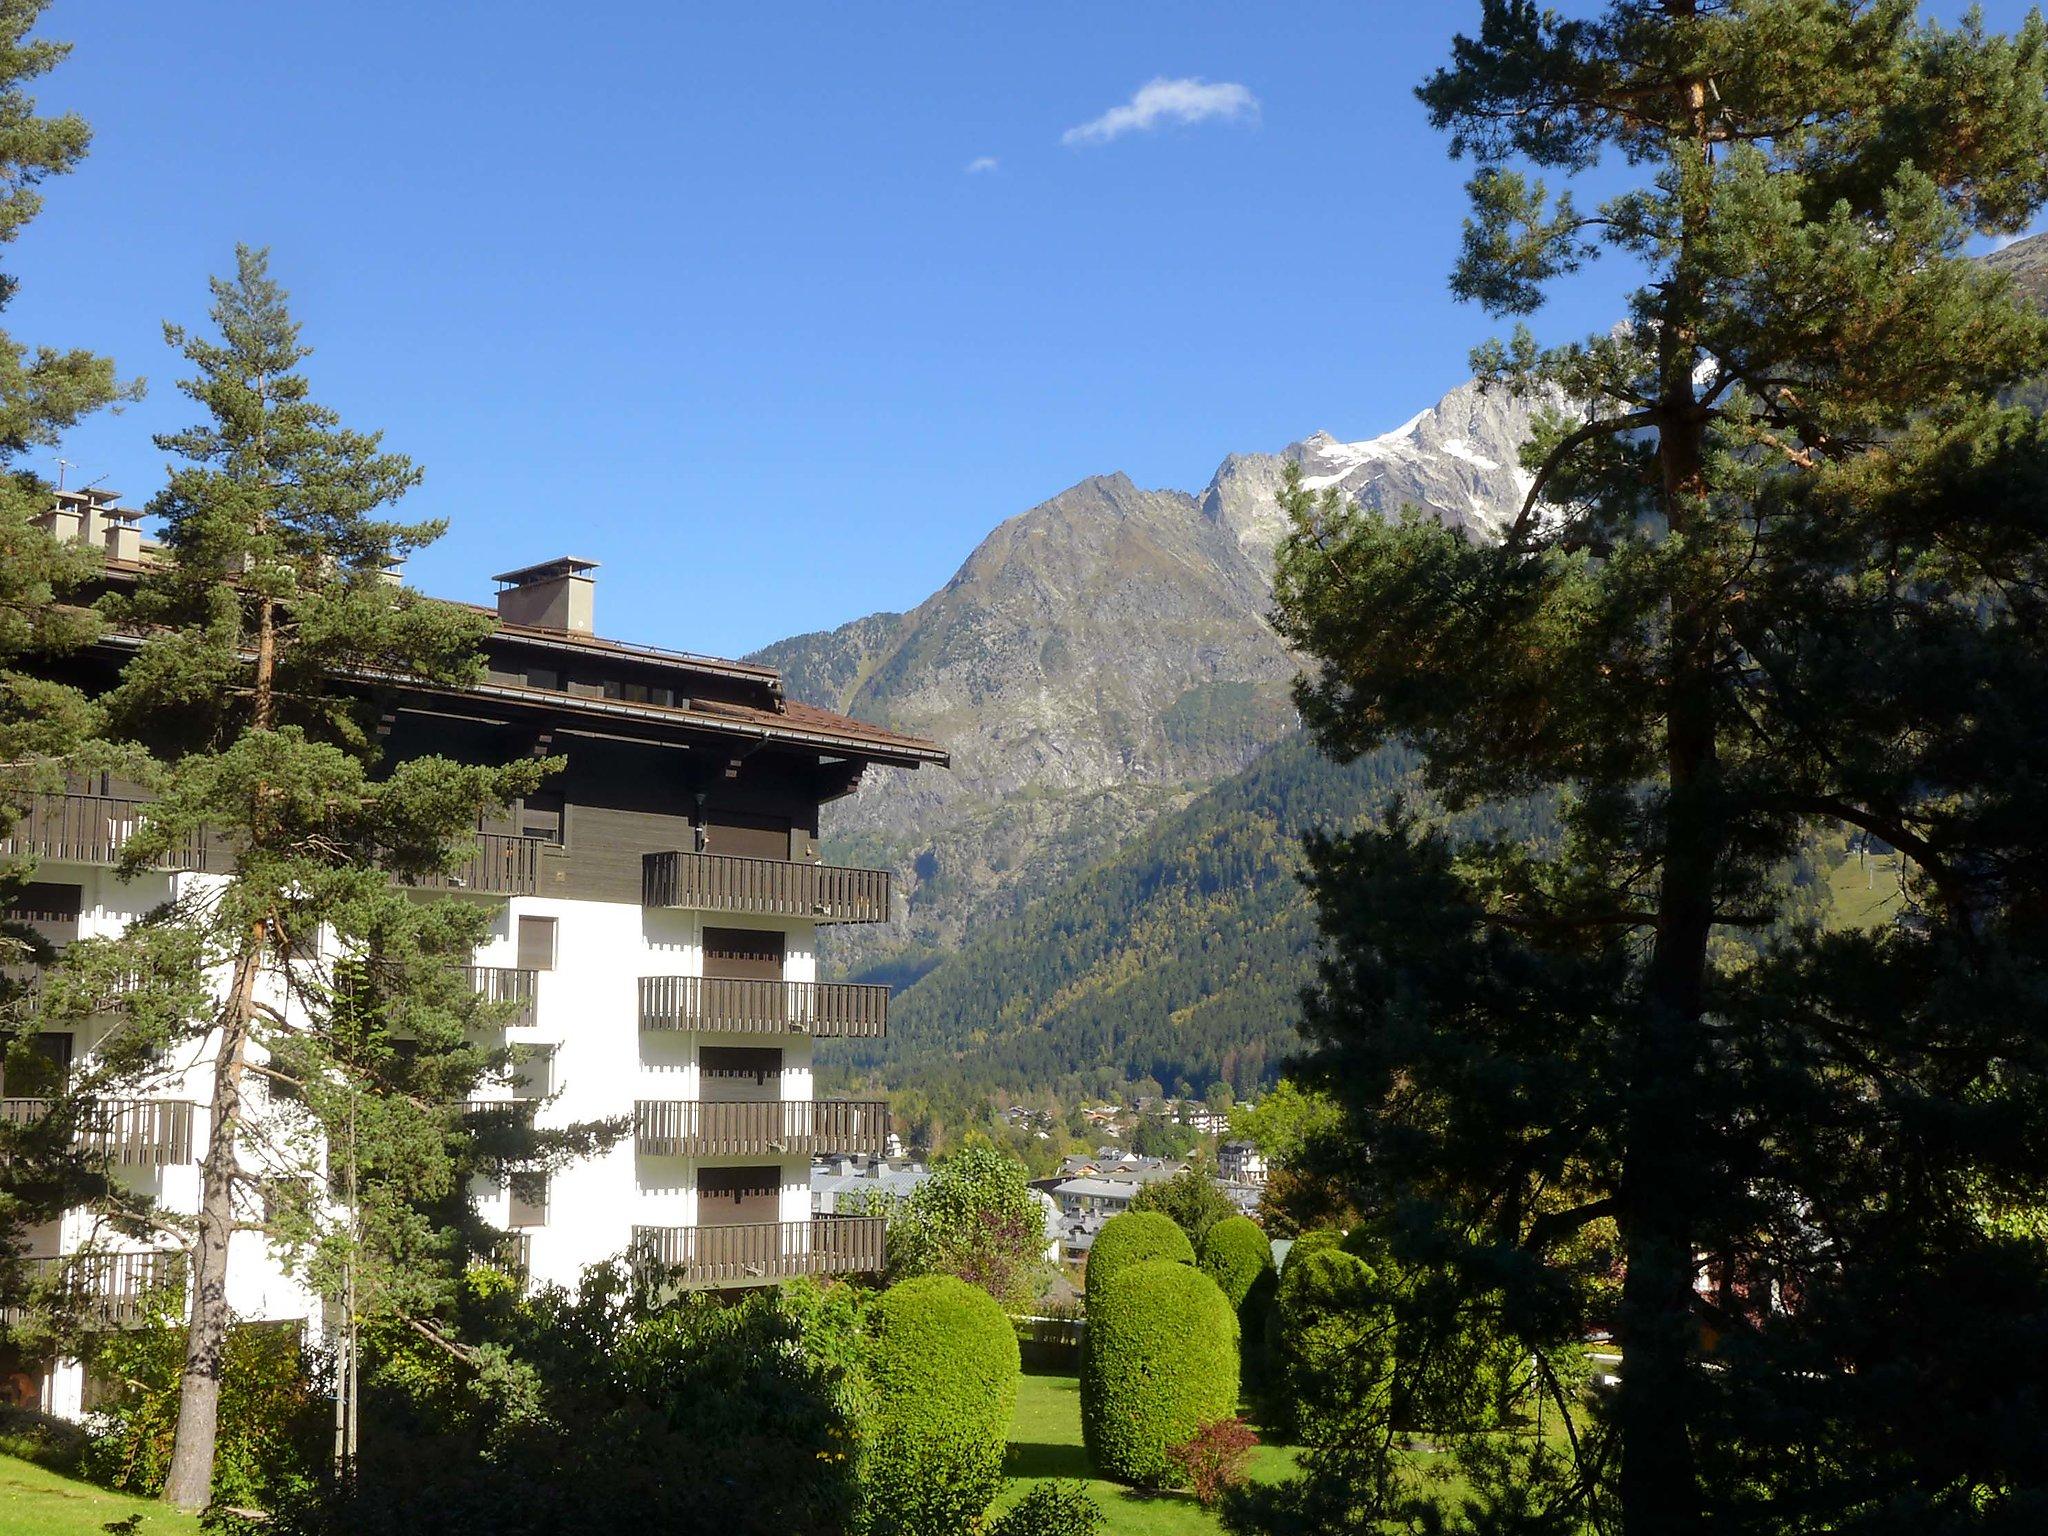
point(1780, 571)
point(43, 723)
point(268, 627)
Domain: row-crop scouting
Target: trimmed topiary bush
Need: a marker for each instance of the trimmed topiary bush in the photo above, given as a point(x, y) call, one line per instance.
point(1135, 1237)
point(943, 1360)
point(1235, 1254)
point(1161, 1363)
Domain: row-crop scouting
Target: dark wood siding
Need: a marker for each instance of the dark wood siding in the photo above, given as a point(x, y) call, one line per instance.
point(620, 801)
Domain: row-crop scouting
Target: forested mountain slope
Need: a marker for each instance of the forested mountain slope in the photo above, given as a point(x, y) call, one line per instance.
point(1180, 957)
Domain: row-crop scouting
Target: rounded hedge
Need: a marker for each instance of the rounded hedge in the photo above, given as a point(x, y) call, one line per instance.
point(1235, 1253)
point(1135, 1237)
point(1161, 1362)
point(943, 1361)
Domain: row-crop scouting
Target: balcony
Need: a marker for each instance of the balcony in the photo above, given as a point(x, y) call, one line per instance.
point(137, 1133)
point(501, 866)
point(755, 1253)
point(504, 984)
point(827, 1009)
point(111, 1289)
point(716, 882)
point(510, 1253)
point(776, 1128)
point(90, 829)
point(510, 1113)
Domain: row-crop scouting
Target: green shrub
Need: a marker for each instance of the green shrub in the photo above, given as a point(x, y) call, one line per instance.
point(1135, 1237)
point(1050, 1509)
point(273, 1419)
point(1333, 1336)
point(943, 1360)
point(42, 1438)
point(1235, 1254)
point(1161, 1363)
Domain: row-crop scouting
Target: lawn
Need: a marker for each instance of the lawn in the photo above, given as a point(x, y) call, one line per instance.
point(1866, 891)
point(1045, 1441)
point(38, 1503)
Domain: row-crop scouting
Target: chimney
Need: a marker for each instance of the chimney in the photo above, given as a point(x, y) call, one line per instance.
point(556, 594)
point(123, 534)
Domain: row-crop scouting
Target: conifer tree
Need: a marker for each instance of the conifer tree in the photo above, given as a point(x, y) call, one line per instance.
point(267, 629)
point(43, 722)
point(1780, 570)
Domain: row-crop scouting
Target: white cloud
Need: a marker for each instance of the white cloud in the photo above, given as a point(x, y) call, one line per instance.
point(1162, 101)
point(981, 163)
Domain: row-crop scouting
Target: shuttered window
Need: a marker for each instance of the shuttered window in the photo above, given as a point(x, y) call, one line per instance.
point(746, 837)
point(42, 901)
point(758, 1065)
point(540, 815)
point(733, 1185)
point(529, 1193)
point(533, 1075)
point(536, 943)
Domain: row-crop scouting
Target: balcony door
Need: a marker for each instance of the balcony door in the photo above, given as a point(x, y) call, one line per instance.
point(739, 1075)
point(738, 965)
point(746, 836)
point(731, 1197)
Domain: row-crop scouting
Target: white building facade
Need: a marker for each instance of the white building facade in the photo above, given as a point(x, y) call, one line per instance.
point(655, 915)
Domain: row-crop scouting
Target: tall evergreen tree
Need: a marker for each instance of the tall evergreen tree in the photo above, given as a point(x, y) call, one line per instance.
point(42, 722)
point(1781, 568)
point(266, 629)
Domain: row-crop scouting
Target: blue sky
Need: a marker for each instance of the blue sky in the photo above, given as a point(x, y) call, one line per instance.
point(710, 294)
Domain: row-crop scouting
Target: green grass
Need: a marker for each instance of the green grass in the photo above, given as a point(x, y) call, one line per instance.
point(1865, 890)
point(1045, 1442)
point(34, 1502)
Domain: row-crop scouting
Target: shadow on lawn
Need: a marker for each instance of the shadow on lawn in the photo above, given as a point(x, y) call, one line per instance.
point(1038, 1459)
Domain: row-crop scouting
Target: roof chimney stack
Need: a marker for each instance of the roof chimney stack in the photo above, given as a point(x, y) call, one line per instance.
point(556, 594)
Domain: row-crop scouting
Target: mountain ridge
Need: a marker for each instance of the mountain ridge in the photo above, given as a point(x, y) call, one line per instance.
point(1098, 661)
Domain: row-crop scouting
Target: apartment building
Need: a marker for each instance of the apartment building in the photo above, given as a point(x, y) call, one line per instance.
point(655, 913)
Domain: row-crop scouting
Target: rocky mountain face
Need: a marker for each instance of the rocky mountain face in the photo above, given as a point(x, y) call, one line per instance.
point(1098, 662)
point(2026, 262)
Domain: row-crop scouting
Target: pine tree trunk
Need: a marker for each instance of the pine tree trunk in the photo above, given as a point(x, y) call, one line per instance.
point(190, 1480)
point(1659, 1479)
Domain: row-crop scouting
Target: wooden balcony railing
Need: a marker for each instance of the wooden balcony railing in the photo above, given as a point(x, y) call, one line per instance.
point(111, 1289)
point(829, 1009)
point(511, 1252)
point(715, 882)
point(90, 829)
point(511, 1111)
point(505, 984)
point(754, 1253)
point(144, 1133)
point(501, 866)
point(710, 1128)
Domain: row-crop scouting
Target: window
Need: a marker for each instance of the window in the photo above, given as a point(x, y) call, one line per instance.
point(540, 815)
point(544, 677)
point(533, 1075)
point(733, 1062)
point(536, 943)
point(54, 1047)
point(737, 1184)
point(42, 902)
point(745, 836)
point(529, 1200)
point(743, 954)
